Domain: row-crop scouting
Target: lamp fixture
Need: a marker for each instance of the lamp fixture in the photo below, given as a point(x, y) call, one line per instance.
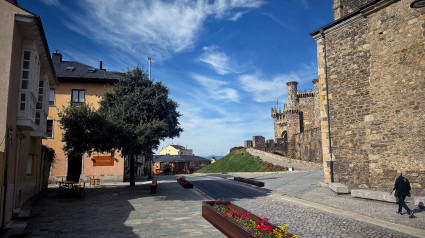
point(417, 4)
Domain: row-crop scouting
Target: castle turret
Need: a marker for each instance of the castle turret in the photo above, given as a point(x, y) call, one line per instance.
point(292, 95)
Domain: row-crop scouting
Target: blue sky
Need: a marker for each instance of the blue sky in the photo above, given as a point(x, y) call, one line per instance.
point(225, 61)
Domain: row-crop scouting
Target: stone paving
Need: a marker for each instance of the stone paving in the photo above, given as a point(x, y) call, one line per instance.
point(122, 211)
point(117, 210)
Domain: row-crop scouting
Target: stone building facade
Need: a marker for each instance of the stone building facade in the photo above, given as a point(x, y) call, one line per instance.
point(296, 128)
point(372, 60)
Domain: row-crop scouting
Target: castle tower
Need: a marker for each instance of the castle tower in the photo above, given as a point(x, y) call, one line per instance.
point(292, 95)
point(316, 103)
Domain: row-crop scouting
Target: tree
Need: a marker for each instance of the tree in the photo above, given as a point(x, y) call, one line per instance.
point(133, 118)
point(142, 115)
point(85, 131)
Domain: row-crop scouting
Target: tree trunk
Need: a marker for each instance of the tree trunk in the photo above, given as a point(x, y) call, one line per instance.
point(150, 160)
point(132, 178)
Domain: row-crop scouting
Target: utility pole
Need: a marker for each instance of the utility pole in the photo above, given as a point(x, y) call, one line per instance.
point(149, 59)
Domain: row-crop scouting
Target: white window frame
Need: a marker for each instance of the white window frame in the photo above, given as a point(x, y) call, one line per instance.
point(54, 97)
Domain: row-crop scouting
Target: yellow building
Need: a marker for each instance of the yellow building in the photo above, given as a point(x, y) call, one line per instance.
point(26, 74)
point(79, 83)
point(176, 150)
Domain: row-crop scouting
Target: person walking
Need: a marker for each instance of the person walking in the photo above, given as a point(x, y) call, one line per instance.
point(402, 189)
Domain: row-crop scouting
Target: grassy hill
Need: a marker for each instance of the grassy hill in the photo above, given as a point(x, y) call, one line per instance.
point(238, 160)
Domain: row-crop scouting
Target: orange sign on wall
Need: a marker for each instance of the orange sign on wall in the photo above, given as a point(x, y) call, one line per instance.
point(103, 160)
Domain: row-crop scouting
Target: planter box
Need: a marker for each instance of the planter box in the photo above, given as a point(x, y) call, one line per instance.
point(185, 185)
point(249, 181)
point(227, 226)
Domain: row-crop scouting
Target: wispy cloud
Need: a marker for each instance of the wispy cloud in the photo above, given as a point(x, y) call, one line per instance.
point(51, 2)
point(264, 90)
point(305, 4)
point(237, 16)
point(275, 19)
point(217, 89)
point(155, 28)
point(227, 130)
point(218, 60)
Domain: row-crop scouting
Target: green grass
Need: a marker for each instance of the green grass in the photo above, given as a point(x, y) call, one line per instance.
point(240, 161)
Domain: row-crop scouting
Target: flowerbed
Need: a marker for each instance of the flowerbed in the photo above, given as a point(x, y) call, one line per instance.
point(183, 182)
point(234, 221)
point(249, 181)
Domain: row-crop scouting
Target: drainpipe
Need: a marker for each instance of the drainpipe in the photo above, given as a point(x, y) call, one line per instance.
point(331, 164)
point(6, 163)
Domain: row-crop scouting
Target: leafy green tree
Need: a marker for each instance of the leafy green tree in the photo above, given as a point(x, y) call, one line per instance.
point(142, 115)
point(133, 118)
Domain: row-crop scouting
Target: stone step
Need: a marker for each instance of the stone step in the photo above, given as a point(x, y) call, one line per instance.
point(339, 188)
point(373, 195)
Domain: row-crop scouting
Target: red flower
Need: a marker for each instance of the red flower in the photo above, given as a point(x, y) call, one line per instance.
point(225, 215)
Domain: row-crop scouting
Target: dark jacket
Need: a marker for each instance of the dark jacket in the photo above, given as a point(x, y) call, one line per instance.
point(402, 186)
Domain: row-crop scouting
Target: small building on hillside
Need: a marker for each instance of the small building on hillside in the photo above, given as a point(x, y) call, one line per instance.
point(176, 150)
point(178, 164)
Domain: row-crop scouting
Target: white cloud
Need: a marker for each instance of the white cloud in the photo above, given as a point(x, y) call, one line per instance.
point(217, 89)
point(237, 16)
point(264, 90)
point(208, 136)
point(217, 59)
point(155, 28)
point(51, 2)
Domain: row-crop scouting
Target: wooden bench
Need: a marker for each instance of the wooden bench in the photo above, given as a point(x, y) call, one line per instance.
point(154, 185)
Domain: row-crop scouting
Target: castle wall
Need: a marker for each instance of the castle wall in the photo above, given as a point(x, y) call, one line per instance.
point(375, 72)
point(247, 143)
point(308, 146)
point(259, 142)
point(307, 113)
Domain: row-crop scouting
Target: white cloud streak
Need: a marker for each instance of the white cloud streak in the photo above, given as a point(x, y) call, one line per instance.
point(217, 59)
point(155, 28)
point(51, 2)
point(265, 90)
point(217, 89)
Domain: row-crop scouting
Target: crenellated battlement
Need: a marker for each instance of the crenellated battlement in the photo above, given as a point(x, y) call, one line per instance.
point(308, 94)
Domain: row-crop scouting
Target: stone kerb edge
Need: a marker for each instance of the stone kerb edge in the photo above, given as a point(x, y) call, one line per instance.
point(373, 195)
point(339, 188)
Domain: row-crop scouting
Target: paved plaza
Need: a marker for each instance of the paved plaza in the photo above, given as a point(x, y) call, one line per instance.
point(295, 198)
point(117, 210)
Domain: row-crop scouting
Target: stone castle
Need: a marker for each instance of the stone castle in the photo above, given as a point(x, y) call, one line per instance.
point(371, 97)
point(296, 128)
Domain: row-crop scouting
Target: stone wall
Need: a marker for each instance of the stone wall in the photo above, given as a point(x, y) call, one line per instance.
point(375, 67)
point(308, 146)
point(259, 142)
point(247, 143)
point(344, 7)
point(307, 113)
